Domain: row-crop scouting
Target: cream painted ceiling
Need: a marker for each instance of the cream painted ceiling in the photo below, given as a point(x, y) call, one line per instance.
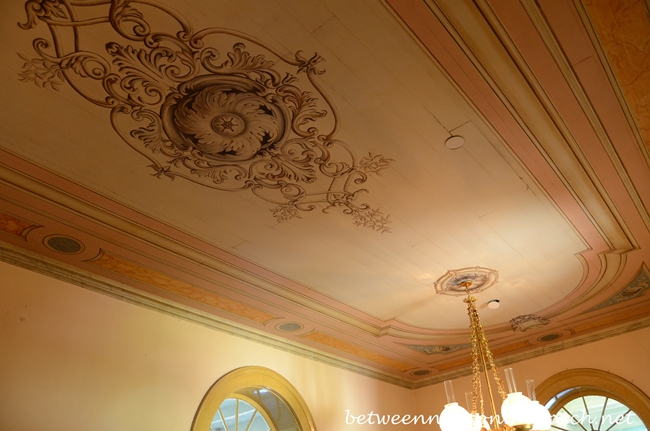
point(506, 200)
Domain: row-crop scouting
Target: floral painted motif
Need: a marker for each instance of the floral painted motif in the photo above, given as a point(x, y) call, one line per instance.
point(213, 113)
point(636, 289)
point(431, 350)
point(527, 321)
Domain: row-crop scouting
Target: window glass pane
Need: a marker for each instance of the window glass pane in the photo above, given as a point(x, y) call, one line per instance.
point(578, 413)
point(238, 415)
point(246, 412)
point(596, 413)
point(631, 423)
point(259, 424)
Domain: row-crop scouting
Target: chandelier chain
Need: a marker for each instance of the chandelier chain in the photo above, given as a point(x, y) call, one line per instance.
point(482, 360)
point(477, 392)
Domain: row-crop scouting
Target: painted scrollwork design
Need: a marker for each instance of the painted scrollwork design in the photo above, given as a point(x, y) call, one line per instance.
point(216, 107)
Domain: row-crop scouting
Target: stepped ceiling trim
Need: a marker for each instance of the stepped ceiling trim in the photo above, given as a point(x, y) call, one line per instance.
point(54, 268)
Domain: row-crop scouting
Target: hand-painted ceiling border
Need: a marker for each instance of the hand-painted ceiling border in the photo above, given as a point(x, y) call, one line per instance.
point(134, 258)
point(199, 107)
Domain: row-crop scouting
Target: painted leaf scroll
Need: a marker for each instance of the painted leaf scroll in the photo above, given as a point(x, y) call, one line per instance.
point(216, 107)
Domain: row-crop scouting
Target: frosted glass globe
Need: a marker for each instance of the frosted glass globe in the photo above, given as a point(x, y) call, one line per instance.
point(541, 417)
point(517, 409)
point(479, 422)
point(455, 418)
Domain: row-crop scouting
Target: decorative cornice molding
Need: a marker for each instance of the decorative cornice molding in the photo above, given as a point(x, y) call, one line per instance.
point(49, 267)
point(635, 289)
point(438, 349)
point(234, 273)
point(570, 343)
point(94, 213)
point(612, 261)
point(528, 321)
point(78, 277)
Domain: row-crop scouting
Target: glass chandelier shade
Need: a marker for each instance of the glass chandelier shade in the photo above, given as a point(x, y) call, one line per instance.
point(455, 418)
point(517, 409)
point(542, 417)
point(479, 422)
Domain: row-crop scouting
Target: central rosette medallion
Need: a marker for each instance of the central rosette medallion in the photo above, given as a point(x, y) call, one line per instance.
point(225, 118)
point(228, 124)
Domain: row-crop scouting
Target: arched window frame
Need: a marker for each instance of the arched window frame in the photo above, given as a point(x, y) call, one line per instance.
point(237, 382)
point(593, 382)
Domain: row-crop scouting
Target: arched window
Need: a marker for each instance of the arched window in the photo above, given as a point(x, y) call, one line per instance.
point(253, 399)
point(594, 400)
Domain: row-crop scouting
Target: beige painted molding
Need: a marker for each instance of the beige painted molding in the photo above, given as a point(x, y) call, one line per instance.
point(604, 60)
point(81, 208)
point(573, 342)
point(78, 277)
point(542, 26)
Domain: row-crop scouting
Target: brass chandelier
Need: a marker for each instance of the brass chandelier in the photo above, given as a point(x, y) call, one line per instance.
point(518, 412)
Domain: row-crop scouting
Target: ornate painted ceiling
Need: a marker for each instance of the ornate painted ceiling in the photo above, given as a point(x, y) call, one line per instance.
point(323, 175)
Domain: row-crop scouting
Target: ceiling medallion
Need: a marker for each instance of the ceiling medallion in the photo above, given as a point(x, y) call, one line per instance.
point(216, 107)
point(549, 337)
point(454, 281)
point(63, 244)
point(289, 327)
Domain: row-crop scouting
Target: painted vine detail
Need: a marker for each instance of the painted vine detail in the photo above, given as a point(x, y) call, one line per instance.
point(201, 106)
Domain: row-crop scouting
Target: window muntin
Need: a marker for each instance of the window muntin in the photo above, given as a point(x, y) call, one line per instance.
point(235, 414)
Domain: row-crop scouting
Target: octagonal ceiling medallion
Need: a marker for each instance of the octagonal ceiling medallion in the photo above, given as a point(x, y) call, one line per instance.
point(452, 282)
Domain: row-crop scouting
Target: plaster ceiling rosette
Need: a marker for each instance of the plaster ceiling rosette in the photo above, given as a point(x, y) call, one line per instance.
point(455, 282)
